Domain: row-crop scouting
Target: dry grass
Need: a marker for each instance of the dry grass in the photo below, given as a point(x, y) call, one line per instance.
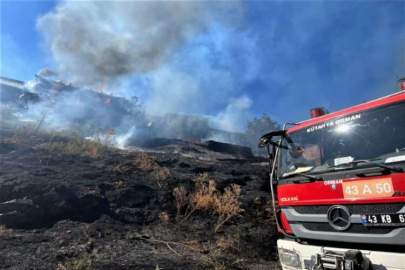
point(94, 190)
point(161, 174)
point(81, 263)
point(123, 168)
point(207, 198)
point(106, 139)
point(99, 146)
point(147, 164)
point(61, 266)
point(229, 242)
point(23, 134)
point(210, 262)
point(119, 184)
point(62, 143)
point(200, 247)
point(77, 146)
point(4, 231)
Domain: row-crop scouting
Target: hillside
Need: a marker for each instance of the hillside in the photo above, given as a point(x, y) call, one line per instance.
point(70, 203)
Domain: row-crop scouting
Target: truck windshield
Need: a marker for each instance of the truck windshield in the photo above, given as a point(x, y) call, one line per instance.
point(376, 134)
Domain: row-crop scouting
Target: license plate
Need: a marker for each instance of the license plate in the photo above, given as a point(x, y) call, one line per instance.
point(394, 220)
point(368, 188)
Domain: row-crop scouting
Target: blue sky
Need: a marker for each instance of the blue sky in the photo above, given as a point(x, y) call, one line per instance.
point(279, 57)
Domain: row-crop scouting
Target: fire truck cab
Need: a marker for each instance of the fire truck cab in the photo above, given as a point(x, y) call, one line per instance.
point(338, 187)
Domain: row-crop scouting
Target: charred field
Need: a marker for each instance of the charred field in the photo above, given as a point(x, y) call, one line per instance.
point(69, 203)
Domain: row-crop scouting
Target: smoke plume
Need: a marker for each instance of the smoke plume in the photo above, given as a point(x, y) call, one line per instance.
point(99, 42)
point(182, 55)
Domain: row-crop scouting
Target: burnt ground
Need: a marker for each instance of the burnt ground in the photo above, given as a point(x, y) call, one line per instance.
point(106, 211)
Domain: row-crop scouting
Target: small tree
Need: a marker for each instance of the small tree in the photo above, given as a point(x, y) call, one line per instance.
point(135, 108)
point(257, 127)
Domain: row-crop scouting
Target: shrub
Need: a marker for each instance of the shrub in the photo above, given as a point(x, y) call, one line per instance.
point(161, 174)
point(180, 195)
point(145, 163)
point(81, 263)
point(4, 231)
point(227, 205)
point(207, 198)
point(204, 196)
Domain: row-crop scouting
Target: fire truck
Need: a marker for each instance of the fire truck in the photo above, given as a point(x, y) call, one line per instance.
point(338, 187)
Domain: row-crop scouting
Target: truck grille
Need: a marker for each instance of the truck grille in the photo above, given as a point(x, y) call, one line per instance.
point(353, 208)
point(354, 228)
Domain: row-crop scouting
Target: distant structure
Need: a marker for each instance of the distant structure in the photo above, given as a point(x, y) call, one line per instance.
point(4, 81)
point(10, 91)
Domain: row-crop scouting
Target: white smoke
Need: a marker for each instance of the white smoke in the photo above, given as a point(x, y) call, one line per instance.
point(236, 112)
point(96, 42)
point(105, 45)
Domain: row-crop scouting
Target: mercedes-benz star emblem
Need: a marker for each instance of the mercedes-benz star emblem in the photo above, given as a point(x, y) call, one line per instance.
point(339, 217)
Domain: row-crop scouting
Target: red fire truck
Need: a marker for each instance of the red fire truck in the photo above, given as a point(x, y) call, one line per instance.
point(338, 187)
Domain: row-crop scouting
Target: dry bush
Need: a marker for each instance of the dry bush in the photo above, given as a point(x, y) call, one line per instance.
point(229, 242)
point(161, 174)
point(181, 197)
point(207, 198)
point(145, 163)
point(4, 231)
point(205, 194)
point(227, 205)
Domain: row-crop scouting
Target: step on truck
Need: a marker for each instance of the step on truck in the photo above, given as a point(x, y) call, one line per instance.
point(338, 187)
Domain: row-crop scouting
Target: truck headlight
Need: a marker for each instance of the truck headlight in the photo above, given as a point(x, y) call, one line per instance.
point(290, 258)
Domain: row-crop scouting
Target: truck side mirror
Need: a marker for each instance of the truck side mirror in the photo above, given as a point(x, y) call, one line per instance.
point(266, 139)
